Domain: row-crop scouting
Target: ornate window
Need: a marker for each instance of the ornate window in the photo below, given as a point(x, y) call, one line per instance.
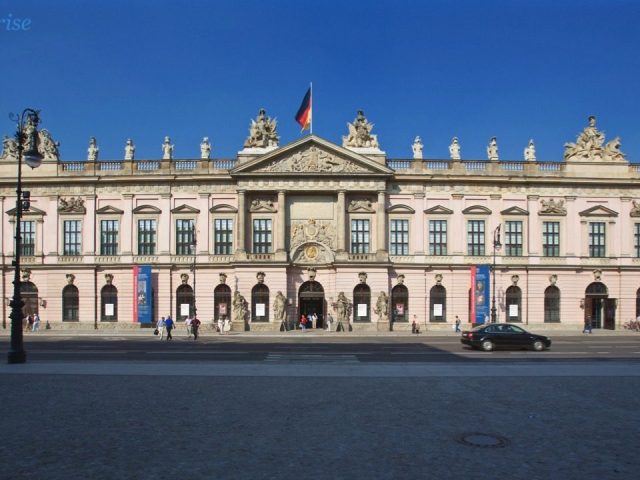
point(513, 238)
point(362, 303)
point(513, 303)
point(262, 235)
point(597, 240)
point(108, 237)
point(399, 237)
point(260, 303)
point(475, 237)
point(146, 237)
point(185, 232)
point(437, 237)
point(109, 304)
point(360, 236)
point(184, 296)
point(28, 237)
point(551, 239)
point(70, 304)
point(552, 304)
point(72, 237)
point(438, 304)
point(223, 236)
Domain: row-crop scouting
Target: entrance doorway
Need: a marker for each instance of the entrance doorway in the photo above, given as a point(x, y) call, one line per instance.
point(599, 307)
point(310, 301)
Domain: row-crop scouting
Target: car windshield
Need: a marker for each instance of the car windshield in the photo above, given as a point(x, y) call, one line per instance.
point(479, 327)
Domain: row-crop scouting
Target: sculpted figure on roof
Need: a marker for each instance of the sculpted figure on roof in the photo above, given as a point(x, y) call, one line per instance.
point(360, 133)
point(262, 132)
point(590, 146)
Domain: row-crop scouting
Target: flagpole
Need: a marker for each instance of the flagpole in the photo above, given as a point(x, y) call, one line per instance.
point(311, 125)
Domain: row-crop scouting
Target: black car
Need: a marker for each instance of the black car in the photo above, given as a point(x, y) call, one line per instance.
point(503, 335)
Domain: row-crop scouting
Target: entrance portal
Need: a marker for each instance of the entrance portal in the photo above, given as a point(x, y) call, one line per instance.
point(310, 301)
point(599, 307)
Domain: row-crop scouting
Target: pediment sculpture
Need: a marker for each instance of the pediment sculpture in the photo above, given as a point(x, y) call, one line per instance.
point(72, 205)
point(553, 207)
point(316, 231)
point(262, 205)
point(590, 146)
point(45, 143)
point(360, 205)
point(360, 133)
point(262, 132)
point(635, 210)
point(312, 253)
point(314, 160)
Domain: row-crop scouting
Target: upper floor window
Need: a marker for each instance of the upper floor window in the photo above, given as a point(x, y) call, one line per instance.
point(437, 237)
point(108, 237)
point(72, 237)
point(597, 239)
point(513, 238)
point(475, 237)
point(262, 235)
point(360, 236)
point(28, 238)
point(146, 237)
point(223, 236)
point(185, 232)
point(399, 241)
point(551, 239)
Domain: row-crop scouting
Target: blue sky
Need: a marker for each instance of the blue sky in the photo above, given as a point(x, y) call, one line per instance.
point(149, 68)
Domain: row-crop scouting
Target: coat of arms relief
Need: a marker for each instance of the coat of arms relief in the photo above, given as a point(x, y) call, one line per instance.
point(312, 242)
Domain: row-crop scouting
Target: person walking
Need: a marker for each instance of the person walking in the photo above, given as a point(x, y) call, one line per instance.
point(160, 328)
point(303, 322)
point(414, 326)
point(195, 325)
point(329, 322)
point(36, 322)
point(588, 326)
point(220, 325)
point(457, 324)
point(187, 324)
point(168, 323)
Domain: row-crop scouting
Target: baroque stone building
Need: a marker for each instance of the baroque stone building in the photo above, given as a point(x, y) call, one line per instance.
point(313, 226)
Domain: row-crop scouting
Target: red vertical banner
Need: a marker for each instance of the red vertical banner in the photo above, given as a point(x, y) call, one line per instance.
point(472, 289)
point(135, 289)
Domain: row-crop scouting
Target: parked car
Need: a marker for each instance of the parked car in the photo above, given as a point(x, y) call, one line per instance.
point(503, 335)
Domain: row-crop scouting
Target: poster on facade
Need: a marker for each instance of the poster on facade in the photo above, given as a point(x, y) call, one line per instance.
point(108, 309)
point(513, 310)
point(400, 308)
point(437, 309)
point(184, 309)
point(222, 309)
point(143, 302)
point(362, 310)
point(260, 310)
point(480, 294)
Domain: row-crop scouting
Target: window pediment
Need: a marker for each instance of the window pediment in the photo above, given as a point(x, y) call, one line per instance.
point(109, 210)
point(438, 210)
point(32, 212)
point(147, 209)
point(223, 209)
point(400, 209)
point(477, 210)
point(598, 211)
point(514, 211)
point(184, 208)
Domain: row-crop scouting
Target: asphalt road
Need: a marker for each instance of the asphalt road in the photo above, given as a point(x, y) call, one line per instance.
point(315, 348)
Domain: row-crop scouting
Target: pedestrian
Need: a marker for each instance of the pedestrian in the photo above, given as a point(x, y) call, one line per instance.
point(160, 328)
point(457, 324)
point(314, 320)
point(329, 321)
point(195, 325)
point(226, 326)
point(220, 325)
point(303, 322)
point(29, 324)
point(188, 324)
point(36, 323)
point(588, 327)
point(168, 323)
point(414, 326)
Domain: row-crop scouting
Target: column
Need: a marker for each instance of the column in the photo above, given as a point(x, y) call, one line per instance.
point(241, 248)
point(165, 225)
point(89, 233)
point(128, 229)
point(340, 217)
point(418, 225)
point(203, 227)
point(281, 253)
point(381, 225)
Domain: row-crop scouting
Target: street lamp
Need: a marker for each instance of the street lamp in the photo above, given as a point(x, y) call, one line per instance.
point(496, 246)
point(194, 244)
point(27, 146)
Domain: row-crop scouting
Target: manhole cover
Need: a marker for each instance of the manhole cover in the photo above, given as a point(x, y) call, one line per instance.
point(482, 440)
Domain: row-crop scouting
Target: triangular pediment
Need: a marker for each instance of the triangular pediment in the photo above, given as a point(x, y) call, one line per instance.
point(109, 210)
point(438, 210)
point(598, 211)
point(514, 211)
point(476, 210)
point(147, 209)
point(32, 212)
point(185, 209)
point(311, 155)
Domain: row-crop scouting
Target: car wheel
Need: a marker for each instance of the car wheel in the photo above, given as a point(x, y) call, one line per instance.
point(487, 345)
point(538, 345)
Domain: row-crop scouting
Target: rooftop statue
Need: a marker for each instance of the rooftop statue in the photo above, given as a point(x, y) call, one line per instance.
point(9, 148)
point(589, 146)
point(93, 150)
point(32, 139)
point(417, 148)
point(454, 149)
point(262, 132)
point(205, 149)
point(360, 133)
point(129, 150)
point(530, 152)
point(48, 146)
point(492, 149)
point(167, 149)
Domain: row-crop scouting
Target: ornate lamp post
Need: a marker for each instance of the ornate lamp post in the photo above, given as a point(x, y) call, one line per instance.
point(27, 146)
point(496, 246)
point(194, 245)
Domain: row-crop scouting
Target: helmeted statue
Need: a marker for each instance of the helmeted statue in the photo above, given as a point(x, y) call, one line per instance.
point(589, 146)
point(492, 149)
point(360, 133)
point(454, 149)
point(279, 304)
point(382, 307)
point(205, 149)
point(240, 308)
point(167, 149)
point(262, 132)
point(129, 150)
point(530, 152)
point(93, 150)
point(417, 148)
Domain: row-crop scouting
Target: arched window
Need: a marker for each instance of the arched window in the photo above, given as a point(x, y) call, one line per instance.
point(29, 295)
point(70, 304)
point(184, 296)
point(260, 303)
point(109, 304)
point(513, 299)
point(552, 304)
point(400, 303)
point(438, 304)
point(222, 302)
point(362, 303)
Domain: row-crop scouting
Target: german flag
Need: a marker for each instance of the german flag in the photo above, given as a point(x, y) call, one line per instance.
point(303, 117)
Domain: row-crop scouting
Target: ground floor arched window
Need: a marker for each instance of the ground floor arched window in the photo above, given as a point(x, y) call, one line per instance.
point(222, 302)
point(109, 304)
point(552, 304)
point(29, 295)
point(400, 303)
point(438, 304)
point(362, 303)
point(184, 302)
point(260, 303)
point(513, 303)
point(70, 304)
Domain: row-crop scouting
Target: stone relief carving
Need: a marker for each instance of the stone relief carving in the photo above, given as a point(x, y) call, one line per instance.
point(317, 231)
point(262, 132)
point(552, 207)
point(262, 205)
point(184, 278)
point(108, 278)
point(70, 278)
point(223, 278)
point(589, 146)
point(360, 133)
point(26, 274)
point(530, 152)
point(359, 205)
point(553, 279)
point(417, 148)
point(72, 205)
point(313, 160)
point(597, 275)
point(635, 210)
point(312, 253)
point(492, 149)
point(93, 150)
point(167, 149)
point(454, 149)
